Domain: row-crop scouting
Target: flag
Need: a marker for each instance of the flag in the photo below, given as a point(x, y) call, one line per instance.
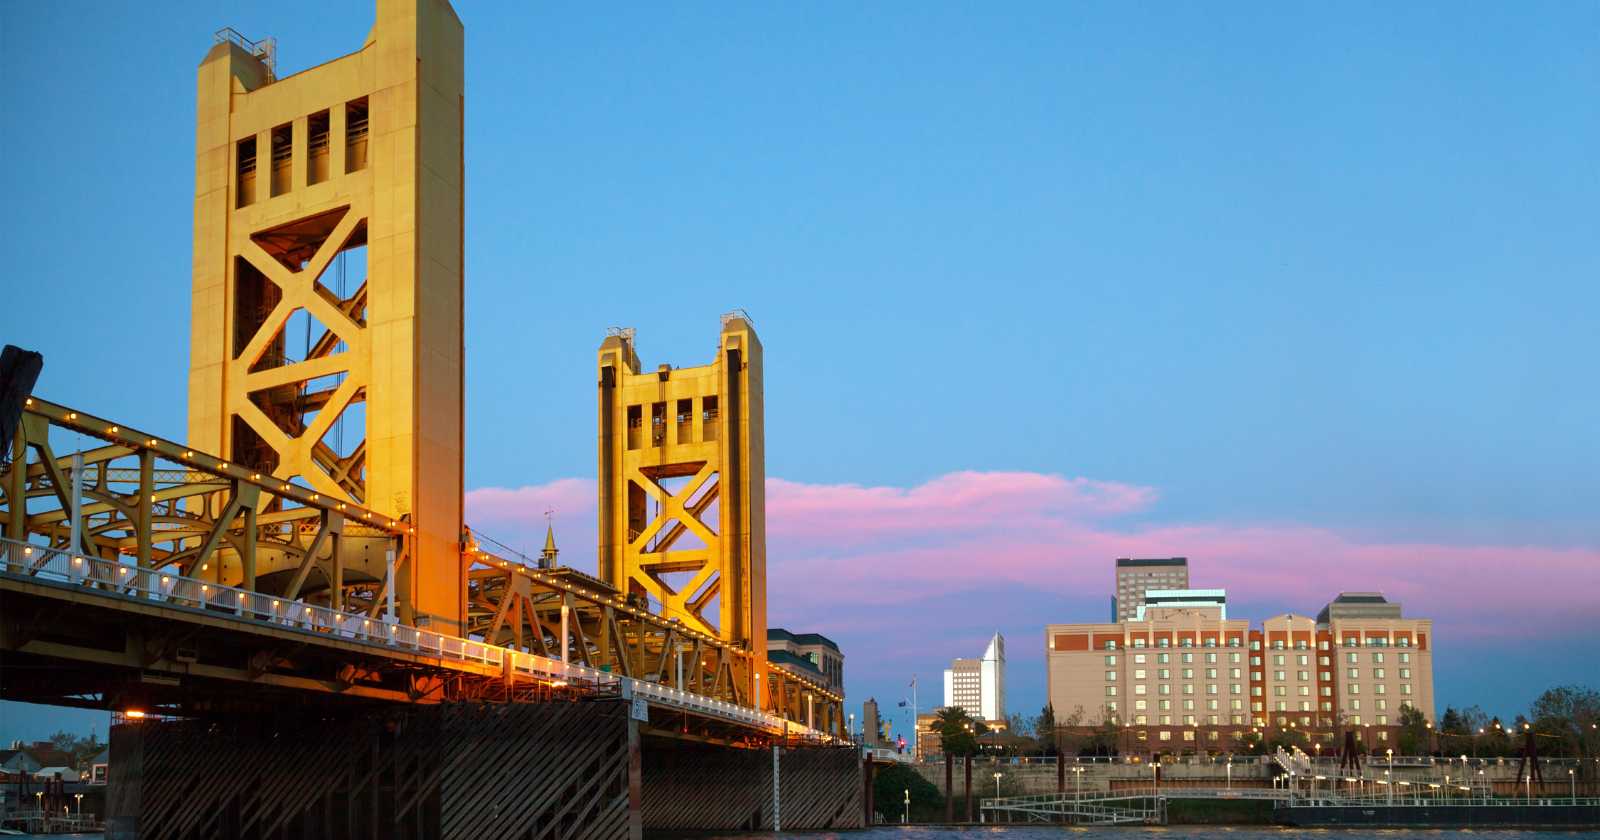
point(904, 704)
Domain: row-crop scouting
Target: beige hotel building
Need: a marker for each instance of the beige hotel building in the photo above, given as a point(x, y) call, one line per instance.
point(1179, 675)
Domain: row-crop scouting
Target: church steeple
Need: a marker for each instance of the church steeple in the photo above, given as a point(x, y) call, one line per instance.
point(547, 557)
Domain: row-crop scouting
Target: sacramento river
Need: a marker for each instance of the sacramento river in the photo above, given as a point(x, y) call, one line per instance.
point(1177, 832)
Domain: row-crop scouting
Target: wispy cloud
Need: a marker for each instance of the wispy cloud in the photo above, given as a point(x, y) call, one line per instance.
point(898, 571)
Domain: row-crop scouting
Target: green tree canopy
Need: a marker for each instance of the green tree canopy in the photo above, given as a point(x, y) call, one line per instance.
point(891, 785)
point(958, 731)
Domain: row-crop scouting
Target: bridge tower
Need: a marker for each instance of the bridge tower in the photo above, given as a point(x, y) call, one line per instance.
point(301, 367)
point(682, 486)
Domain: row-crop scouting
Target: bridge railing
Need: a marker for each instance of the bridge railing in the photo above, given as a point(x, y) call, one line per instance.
point(128, 581)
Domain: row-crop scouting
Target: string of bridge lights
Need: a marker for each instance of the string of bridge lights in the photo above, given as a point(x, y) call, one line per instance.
point(114, 433)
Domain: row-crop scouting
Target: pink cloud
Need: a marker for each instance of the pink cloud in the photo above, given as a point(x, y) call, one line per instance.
point(860, 556)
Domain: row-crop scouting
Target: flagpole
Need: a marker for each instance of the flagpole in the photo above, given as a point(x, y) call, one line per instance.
point(913, 717)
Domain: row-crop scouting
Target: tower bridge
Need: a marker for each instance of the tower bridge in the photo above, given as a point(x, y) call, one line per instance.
point(294, 585)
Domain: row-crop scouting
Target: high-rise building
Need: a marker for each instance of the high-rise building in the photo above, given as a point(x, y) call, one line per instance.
point(1135, 577)
point(1182, 676)
point(979, 685)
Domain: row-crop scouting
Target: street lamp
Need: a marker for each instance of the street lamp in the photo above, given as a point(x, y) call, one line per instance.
point(1078, 784)
point(907, 817)
point(996, 785)
point(1573, 781)
point(79, 797)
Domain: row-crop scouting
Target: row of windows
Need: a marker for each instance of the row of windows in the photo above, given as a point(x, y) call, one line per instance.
point(1188, 705)
point(280, 155)
point(1255, 644)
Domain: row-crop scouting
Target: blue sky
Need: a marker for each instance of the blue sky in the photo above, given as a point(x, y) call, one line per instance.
point(1288, 265)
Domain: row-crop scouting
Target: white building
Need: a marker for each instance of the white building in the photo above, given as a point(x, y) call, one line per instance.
point(979, 685)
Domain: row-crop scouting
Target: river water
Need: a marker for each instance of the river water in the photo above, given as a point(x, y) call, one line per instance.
point(1177, 832)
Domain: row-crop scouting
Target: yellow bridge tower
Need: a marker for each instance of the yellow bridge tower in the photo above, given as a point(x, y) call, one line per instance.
point(350, 386)
point(682, 486)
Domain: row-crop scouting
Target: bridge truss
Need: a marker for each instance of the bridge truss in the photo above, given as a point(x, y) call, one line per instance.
point(133, 516)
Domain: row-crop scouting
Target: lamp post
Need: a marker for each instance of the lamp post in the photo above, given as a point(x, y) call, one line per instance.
point(852, 729)
point(907, 817)
point(1572, 780)
point(79, 797)
point(1527, 787)
point(1077, 785)
point(997, 786)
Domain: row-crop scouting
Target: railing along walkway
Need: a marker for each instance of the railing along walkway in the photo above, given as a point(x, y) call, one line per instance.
point(125, 582)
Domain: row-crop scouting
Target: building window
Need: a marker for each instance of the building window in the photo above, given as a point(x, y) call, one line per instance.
point(1279, 691)
point(1377, 673)
point(1165, 705)
point(1324, 661)
point(1380, 705)
point(1377, 658)
point(1355, 688)
point(1302, 660)
point(1351, 657)
point(1111, 691)
point(1383, 720)
point(1188, 688)
point(1235, 688)
point(1139, 705)
point(1211, 658)
point(1236, 705)
point(1353, 673)
point(1405, 673)
point(1211, 688)
point(1278, 676)
point(1165, 689)
point(1165, 735)
point(1138, 659)
point(1382, 736)
point(1405, 658)
point(1234, 658)
point(1139, 689)
point(1355, 705)
point(1303, 675)
point(1405, 688)
point(1188, 659)
point(1111, 676)
point(1277, 659)
point(1305, 691)
point(1188, 705)
point(1111, 661)
point(1233, 673)
point(1379, 688)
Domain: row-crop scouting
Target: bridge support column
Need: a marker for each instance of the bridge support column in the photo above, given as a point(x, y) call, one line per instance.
point(691, 786)
point(966, 788)
point(949, 788)
point(431, 773)
point(870, 812)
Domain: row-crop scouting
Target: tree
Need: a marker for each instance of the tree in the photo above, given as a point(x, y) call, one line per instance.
point(1044, 729)
point(81, 748)
point(1107, 737)
point(1018, 725)
point(1571, 714)
point(1413, 737)
point(958, 731)
point(890, 786)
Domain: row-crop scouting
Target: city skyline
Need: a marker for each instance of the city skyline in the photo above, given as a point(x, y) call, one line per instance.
point(1308, 300)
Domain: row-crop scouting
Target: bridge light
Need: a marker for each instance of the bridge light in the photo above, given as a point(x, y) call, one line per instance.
point(133, 714)
point(255, 476)
point(112, 430)
point(72, 415)
point(223, 465)
point(153, 442)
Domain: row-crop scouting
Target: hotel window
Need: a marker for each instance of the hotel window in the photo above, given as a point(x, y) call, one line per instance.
point(1355, 688)
point(1188, 705)
point(1188, 720)
point(1138, 705)
point(1325, 676)
point(1235, 688)
point(1383, 720)
point(1381, 705)
point(1255, 661)
point(1163, 658)
point(1255, 691)
point(1327, 707)
point(1255, 676)
point(1186, 643)
point(1166, 673)
point(1111, 645)
point(1302, 675)
point(1405, 658)
point(1110, 661)
point(1382, 736)
point(1139, 719)
point(1278, 676)
point(1166, 719)
point(1164, 689)
point(1188, 659)
point(1277, 659)
point(1233, 642)
point(1255, 706)
point(1301, 646)
point(1327, 691)
point(1324, 661)
point(1211, 642)
point(1211, 673)
point(1188, 673)
point(1111, 691)
point(1377, 673)
point(1404, 641)
point(1405, 688)
point(1138, 659)
point(1379, 688)
point(1111, 676)
point(1377, 658)
point(1405, 673)
point(1236, 705)
point(1302, 660)
point(1353, 673)
point(1279, 691)
point(1351, 657)
point(1211, 658)
point(1111, 706)
point(1278, 645)
point(1255, 644)
point(1305, 706)
point(1165, 735)
point(1166, 705)
point(1355, 705)
point(1322, 645)
point(1233, 673)
point(1282, 707)
point(1138, 689)
point(1305, 691)
point(1138, 643)
point(1355, 720)
point(1234, 658)
point(1211, 704)
point(1188, 688)
point(1138, 673)
point(1165, 643)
